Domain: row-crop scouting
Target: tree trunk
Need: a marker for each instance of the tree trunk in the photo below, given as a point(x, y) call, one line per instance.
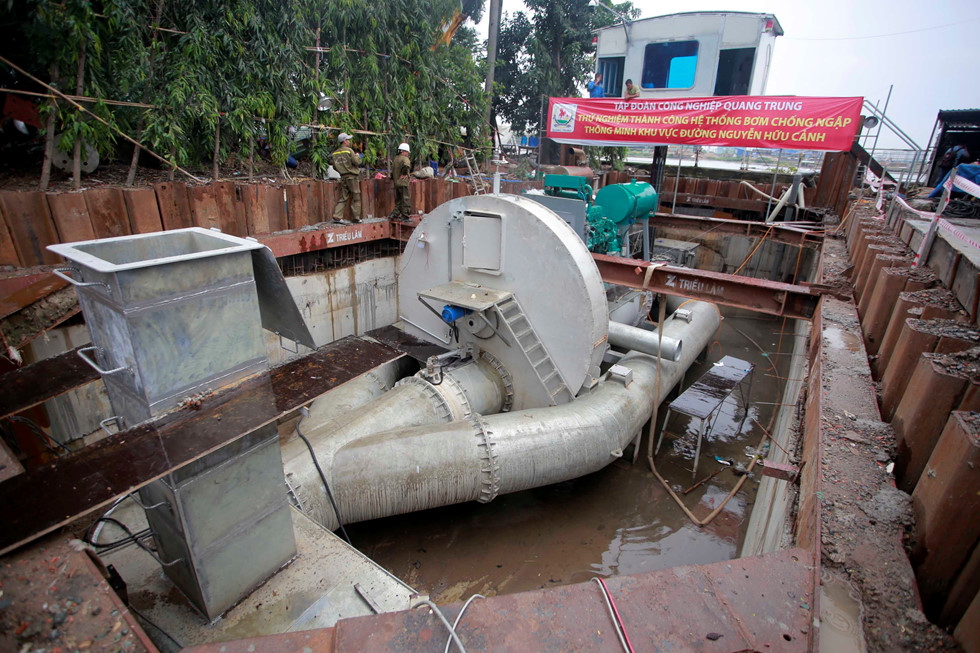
point(49, 134)
point(217, 145)
point(173, 168)
point(134, 163)
point(76, 161)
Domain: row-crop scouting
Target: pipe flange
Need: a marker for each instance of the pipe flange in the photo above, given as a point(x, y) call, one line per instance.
point(505, 377)
point(489, 468)
point(439, 403)
point(455, 398)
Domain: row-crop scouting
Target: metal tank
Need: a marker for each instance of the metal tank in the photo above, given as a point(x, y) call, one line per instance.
point(627, 202)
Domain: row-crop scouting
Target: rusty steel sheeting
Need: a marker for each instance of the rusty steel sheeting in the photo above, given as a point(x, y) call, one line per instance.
point(759, 295)
point(55, 494)
point(36, 383)
point(781, 233)
point(759, 603)
point(22, 290)
point(286, 243)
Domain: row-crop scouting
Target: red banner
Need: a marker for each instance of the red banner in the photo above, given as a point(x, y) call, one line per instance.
point(790, 122)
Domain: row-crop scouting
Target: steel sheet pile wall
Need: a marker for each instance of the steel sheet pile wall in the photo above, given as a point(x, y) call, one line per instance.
point(32, 220)
point(926, 358)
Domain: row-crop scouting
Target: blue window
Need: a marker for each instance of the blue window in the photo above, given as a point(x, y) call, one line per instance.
point(670, 65)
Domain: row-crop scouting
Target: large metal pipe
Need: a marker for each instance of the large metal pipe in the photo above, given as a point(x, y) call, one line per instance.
point(631, 338)
point(477, 386)
point(408, 469)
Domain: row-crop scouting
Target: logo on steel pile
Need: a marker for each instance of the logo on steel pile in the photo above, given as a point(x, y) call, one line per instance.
point(563, 117)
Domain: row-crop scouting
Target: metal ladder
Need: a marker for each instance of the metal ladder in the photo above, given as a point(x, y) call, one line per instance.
point(544, 367)
point(479, 184)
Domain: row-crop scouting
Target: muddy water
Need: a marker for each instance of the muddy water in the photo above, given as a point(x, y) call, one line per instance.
point(616, 521)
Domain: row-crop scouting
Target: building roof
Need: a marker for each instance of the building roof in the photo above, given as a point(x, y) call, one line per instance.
point(960, 117)
point(777, 28)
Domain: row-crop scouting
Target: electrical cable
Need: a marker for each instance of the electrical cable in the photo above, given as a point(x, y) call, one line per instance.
point(39, 432)
point(147, 620)
point(624, 639)
point(445, 622)
point(460, 616)
point(304, 411)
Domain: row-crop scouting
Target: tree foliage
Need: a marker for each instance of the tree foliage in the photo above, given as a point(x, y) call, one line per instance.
point(231, 71)
point(546, 52)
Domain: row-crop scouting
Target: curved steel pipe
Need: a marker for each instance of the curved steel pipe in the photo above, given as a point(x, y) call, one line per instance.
point(407, 469)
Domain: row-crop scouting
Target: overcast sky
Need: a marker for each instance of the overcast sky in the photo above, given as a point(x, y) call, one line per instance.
point(860, 47)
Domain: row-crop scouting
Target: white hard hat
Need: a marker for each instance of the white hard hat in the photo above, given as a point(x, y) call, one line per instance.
point(404, 146)
point(344, 136)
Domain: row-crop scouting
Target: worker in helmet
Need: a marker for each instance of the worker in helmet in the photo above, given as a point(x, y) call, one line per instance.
point(400, 170)
point(348, 163)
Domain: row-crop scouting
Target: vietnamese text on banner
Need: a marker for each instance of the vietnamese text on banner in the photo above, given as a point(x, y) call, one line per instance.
point(790, 122)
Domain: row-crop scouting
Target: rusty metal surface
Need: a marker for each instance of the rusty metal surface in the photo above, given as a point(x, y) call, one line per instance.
point(415, 347)
point(306, 641)
point(702, 398)
point(36, 383)
point(285, 243)
point(759, 603)
point(55, 599)
point(30, 322)
point(18, 292)
point(39, 501)
point(781, 233)
point(760, 295)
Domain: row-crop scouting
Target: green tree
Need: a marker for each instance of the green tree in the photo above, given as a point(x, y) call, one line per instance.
point(546, 52)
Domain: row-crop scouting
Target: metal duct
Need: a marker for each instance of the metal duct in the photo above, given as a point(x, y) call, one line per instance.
point(476, 387)
point(633, 338)
point(407, 469)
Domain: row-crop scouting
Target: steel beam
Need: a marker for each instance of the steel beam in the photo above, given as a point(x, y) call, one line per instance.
point(286, 243)
point(784, 233)
point(759, 295)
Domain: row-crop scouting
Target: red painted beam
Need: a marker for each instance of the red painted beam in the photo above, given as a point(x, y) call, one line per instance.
point(286, 243)
point(760, 295)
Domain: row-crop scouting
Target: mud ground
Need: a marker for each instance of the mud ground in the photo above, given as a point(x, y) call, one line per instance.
point(865, 517)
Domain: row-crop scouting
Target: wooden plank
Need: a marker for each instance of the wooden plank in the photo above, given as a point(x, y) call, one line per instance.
point(172, 200)
point(8, 252)
point(31, 226)
point(38, 382)
point(367, 198)
point(92, 478)
point(107, 209)
point(70, 215)
point(144, 213)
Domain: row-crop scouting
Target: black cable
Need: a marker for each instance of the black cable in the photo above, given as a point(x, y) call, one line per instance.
point(146, 619)
point(323, 477)
point(39, 432)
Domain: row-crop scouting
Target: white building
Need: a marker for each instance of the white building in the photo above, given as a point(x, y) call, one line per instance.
point(693, 54)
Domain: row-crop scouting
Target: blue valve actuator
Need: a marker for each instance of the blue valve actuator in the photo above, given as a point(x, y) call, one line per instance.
point(451, 313)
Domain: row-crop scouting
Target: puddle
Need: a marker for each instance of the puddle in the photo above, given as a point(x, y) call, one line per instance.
point(840, 616)
point(616, 521)
point(837, 337)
